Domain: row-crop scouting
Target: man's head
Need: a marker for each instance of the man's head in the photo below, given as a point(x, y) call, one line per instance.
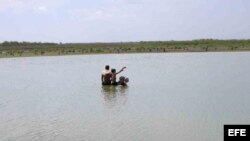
point(107, 67)
point(122, 78)
point(113, 70)
point(126, 80)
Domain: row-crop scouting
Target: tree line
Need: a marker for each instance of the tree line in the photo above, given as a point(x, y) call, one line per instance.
point(15, 43)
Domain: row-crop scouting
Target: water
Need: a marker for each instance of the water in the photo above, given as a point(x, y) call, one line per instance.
point(179, 96)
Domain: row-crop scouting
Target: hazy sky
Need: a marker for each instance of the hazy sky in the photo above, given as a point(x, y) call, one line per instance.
point(123, 20)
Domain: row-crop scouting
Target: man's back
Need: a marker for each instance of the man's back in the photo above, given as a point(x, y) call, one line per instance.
point(106, 77)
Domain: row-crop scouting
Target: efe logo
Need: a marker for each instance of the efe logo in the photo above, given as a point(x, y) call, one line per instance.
point(236, 133)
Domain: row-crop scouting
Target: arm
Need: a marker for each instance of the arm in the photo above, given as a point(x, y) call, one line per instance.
point(121, 70)
point(102, 78)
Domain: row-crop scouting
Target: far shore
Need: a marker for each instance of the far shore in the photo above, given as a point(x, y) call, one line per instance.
point(29, 49)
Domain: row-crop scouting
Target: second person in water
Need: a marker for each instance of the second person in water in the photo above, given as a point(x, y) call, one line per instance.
point(113, 76)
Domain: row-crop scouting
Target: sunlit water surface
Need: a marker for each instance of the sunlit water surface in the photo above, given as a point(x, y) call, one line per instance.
point(177, 97)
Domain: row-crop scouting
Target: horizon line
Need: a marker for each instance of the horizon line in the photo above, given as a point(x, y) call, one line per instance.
point(103, 42)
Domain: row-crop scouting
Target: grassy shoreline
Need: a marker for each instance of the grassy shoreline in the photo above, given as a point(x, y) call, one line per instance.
point(28, 49)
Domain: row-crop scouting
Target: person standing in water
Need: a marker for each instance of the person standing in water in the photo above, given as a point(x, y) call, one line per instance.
point(106, 76)
point(123, 81)
point(113, 75)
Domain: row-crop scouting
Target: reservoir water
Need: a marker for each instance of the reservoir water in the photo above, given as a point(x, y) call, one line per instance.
point(172, 96)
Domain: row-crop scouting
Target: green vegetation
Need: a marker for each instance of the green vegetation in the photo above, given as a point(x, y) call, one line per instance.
point(15, 49)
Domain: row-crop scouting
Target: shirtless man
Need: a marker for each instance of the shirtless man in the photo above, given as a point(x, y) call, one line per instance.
point(113, 75)
point(106, 76)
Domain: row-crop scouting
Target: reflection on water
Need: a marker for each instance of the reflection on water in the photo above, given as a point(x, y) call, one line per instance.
point(114, 96)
